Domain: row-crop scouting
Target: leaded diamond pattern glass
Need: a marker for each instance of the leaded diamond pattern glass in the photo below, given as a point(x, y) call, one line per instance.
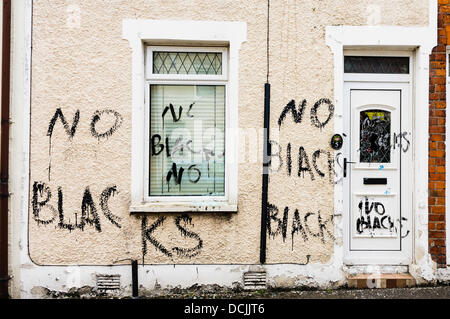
point(375, 136)
point(376, 64)
point(209, 63)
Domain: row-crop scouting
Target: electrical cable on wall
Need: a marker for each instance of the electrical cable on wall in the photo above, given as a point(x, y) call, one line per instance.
point(268, 40)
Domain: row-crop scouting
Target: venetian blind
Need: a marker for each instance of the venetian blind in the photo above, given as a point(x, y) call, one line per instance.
point(187, 144)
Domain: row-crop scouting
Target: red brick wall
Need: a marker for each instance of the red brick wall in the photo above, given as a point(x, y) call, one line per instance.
point(436, 158)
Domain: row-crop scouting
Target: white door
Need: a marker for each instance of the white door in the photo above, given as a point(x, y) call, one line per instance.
point(377, 170)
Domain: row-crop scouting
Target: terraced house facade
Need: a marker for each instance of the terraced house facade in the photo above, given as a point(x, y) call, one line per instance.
point(244, 144)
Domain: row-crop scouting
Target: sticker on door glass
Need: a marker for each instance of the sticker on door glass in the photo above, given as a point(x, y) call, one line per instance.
point(375, 216)
point(375, 136)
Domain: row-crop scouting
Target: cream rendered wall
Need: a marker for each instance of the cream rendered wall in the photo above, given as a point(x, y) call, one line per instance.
point(85, 65)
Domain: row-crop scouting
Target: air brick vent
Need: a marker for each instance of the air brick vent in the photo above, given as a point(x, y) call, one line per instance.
point(255, 280)
point(108, 283)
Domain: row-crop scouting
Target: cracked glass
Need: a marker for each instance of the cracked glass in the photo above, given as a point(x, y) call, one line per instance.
point(375, 136)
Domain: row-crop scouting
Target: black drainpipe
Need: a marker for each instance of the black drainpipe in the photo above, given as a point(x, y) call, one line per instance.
point(266, 167)
point(267, 153)
point(4, 149)
point(134, 278)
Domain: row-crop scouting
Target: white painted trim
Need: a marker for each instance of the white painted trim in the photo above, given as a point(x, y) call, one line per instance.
point(142, 32)
point(19, 147)
point(422, 39)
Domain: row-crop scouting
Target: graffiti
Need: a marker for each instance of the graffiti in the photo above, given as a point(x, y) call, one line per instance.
point(172, 111)
point(187, 252)
point(315, 120)
point(97, 117)
point(339, 168)
point(300, 226)
point(180, 112)
point(89, 216)
point(321, 164)
point(398, 141)
point(147, 236)
point(42, 190)
point(316, 156)
point(177, 176)
point(290, 107)
point(368, 222)
point(185, 161)
point(71, 129)
point(297, 115)
point(378, 223)
point(104, 199)
point(403, 219)
point(303, 164)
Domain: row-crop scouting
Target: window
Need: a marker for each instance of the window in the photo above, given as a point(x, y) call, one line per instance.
point(187, 96)
point(376, 64)
point(375, 136)
point(184, 123)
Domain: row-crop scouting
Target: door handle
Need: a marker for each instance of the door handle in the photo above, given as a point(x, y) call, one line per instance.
point(345, 166)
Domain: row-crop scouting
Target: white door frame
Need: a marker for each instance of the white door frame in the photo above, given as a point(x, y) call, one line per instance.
point(403, 82)
point(420, 41)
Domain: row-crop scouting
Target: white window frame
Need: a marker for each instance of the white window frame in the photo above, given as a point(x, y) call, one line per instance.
point(183, 79)
point(142, 34)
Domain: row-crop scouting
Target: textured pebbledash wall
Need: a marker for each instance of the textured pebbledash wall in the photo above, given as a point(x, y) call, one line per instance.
point(81, 88)
point(436, 166)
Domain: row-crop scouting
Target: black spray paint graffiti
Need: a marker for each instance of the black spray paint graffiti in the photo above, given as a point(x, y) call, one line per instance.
point(42, 190)
point(147, 236)
point(97, 117)
point(89, 216)
point(176, 173)
point(315, 120)
point(187, 252)
point(401, 141)
point(298, 114)
point(299, 225)
point(290, 107)
point(321, 163)
point(71, 129)
point(310, 165)
point(180, 112)
point(377, 222)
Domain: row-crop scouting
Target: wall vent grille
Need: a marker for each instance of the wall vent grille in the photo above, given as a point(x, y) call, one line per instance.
point(108, 282)
point(254, 280)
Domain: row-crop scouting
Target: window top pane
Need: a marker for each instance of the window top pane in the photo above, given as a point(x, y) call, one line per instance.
point(376, 64)
point(199, 63)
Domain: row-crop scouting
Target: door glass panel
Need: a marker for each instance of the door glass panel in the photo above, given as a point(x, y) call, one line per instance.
point(375, 136)
point(376, 64)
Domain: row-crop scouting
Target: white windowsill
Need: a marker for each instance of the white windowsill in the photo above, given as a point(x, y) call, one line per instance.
point(188, 207)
